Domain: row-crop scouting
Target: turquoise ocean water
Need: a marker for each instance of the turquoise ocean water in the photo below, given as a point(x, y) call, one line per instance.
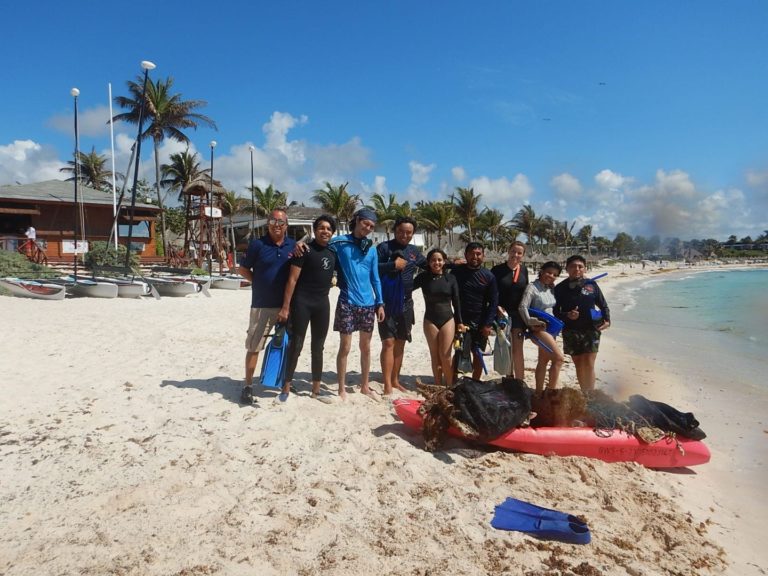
point(712, 325)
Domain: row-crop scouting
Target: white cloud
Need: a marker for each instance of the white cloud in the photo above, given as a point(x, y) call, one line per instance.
point(757, 178)
point(420, 174)
point(503, 194)
point(90, 122)
point(26, 161)
point(276, 132)
point(671, 205)
point(608, 179)
point(567, 187)
point(458, 173)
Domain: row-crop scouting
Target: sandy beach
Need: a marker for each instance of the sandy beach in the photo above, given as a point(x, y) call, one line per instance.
point(124, 451)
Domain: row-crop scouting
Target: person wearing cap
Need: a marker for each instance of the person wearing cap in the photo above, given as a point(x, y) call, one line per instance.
point(360, 301)
point(398, 262)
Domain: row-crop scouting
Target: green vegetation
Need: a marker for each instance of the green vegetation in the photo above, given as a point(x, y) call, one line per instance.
point(102, 253)
point(16, 265)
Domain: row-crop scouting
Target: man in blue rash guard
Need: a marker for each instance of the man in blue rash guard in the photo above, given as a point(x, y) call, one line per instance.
point(398, 261)
point(360, 298)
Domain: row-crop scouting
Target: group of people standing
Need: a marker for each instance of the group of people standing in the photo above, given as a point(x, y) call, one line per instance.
point(291, 281)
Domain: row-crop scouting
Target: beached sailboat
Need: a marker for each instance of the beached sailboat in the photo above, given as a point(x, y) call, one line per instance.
point(228, 282)
point(126, 287)
point(40, 290)
point(174, 287)
point(78, 286)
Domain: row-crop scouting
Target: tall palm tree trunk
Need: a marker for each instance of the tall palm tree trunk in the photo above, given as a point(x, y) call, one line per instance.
point(160, 197)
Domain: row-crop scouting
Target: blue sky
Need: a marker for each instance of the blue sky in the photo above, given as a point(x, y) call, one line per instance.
point(645, 117)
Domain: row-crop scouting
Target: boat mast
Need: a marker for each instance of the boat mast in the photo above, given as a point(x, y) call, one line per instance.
point(75, 93)
point(112, 142)
point(147, 65)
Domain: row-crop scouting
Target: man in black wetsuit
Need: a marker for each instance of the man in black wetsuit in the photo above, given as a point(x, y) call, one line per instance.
point(479, 300)
point(398, 261)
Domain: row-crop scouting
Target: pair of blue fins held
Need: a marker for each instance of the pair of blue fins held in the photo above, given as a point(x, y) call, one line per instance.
point(275, 363)
point(513, 514)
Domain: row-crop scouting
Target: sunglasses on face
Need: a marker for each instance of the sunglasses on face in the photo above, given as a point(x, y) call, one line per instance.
point(277, 222)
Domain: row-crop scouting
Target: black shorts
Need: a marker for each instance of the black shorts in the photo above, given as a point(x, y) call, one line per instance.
point(478, 340)
point(398, 327)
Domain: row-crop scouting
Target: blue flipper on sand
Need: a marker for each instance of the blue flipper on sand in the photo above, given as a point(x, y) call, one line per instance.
point(540, 522)
point(562, 531)
point(275, 359)
point(524, 507)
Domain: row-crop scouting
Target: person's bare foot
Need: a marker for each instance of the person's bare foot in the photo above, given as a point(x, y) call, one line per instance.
point(372, 394)
point(400, 387)
point(343, 394)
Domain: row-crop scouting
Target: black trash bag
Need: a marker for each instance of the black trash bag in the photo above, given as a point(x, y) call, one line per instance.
point(492, 407)
point(667, 418)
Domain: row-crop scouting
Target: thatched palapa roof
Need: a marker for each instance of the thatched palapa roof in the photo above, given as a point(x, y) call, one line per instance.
point(202, 186)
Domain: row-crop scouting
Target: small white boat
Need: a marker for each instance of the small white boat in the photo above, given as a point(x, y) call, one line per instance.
point(39, 290)
point(169, 287)
point(83, 287)
point(225, 282)
point(127, 287)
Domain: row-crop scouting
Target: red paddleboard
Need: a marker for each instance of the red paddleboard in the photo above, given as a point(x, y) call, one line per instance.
point(618, 447)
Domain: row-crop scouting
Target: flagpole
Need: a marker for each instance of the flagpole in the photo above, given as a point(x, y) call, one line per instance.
point(112, 142)
point(75, 93)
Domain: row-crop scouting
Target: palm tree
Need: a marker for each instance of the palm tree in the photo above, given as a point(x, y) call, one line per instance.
point(93, 171)
point(166, 115)
point(232, 204)
point(438, 217)
point(337, 201)
point(466, 202)
point(585, 235)
point(527, 222)
point(182, 171)
point(268, 199)
point(386, 210)
point(491, 222)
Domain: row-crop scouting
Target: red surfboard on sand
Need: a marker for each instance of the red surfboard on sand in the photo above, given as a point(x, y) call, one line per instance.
point(619, 447)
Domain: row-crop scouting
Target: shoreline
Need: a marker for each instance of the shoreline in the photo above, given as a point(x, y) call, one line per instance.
point(726, 493)
point(123, 449)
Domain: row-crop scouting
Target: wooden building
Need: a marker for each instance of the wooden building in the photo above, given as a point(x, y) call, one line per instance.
point(49, 207)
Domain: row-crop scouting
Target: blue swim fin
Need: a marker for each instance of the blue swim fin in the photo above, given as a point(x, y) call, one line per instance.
point(544, 528)
point(540, 522)
point(523, 507)
point(275, 359)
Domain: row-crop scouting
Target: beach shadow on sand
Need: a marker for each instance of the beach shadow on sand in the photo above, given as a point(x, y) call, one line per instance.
point(222, 385)
point(452, 447)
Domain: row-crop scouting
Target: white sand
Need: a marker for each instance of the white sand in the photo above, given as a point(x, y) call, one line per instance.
point(123, 450)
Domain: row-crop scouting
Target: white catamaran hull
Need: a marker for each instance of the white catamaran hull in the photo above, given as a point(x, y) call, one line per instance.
point(127, 288)
point(33, 289)
point(174, 287)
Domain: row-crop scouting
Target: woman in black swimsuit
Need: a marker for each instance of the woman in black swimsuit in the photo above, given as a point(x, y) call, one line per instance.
point(442, 315)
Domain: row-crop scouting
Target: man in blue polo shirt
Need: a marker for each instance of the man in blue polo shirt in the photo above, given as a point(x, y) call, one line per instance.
point(265, 265)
